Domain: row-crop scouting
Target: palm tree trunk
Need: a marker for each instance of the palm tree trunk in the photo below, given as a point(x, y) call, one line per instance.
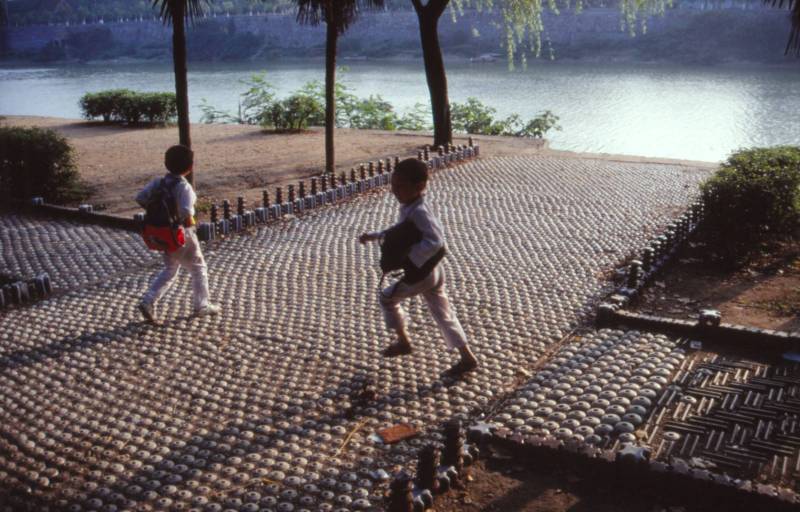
point(4, 24)
point(181, 83)
point(332, 37)
point(434, 68)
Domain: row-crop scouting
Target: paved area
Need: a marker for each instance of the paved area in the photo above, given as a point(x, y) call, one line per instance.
point(252, 410)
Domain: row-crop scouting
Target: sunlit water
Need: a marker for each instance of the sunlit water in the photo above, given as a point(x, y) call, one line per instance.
point(662, 111)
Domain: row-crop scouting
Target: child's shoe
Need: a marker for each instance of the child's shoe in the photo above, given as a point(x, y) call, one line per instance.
point(148, 311)
point(208, 310)
point(460, 368)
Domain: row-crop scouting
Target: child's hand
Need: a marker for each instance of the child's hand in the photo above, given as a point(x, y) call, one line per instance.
point(367, 237)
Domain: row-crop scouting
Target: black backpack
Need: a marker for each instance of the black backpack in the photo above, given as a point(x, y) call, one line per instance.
point(397, 243)
point(162, 206)
point(162, 229)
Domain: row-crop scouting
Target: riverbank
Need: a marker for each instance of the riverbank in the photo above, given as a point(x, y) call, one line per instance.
point(234, 160)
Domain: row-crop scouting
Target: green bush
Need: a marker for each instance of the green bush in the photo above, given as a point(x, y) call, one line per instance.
point(539, 125)
point(103, 104)
point(417, 119)
point(754, 194)
point(126, 106)
point(475, 117)
point(472, 117)
point(36, 162)
point(373, 113)
point(294, 113)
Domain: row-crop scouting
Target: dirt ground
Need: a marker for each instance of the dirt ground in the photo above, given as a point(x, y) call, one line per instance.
point(234, 160)
point(765, 293)
point(230, 159)
point(500, 483)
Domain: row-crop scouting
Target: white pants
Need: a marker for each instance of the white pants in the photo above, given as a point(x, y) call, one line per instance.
point(432, 289)
point(189, 257)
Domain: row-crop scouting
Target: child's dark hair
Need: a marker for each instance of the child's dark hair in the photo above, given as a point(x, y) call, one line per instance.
point(178, 159)
point(412, 170)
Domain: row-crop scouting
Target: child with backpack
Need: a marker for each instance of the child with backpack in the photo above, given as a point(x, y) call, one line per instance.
point(416, 244)
point(169, 226)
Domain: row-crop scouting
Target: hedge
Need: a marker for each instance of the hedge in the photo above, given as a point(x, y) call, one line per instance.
point(126, 106)
point(754, 195)
point(37, 162)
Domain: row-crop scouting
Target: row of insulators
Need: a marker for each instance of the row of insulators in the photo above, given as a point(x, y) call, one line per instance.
point(663, 246)
point(24, 292)
point(437, 472)
point(325, 189)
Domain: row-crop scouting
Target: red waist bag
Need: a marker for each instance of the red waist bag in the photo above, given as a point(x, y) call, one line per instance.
point(163, 238)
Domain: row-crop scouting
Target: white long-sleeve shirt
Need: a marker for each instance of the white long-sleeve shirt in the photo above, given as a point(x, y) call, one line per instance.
point(430, 227)
point(184, 195)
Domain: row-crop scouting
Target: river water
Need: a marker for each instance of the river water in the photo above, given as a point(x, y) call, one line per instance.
point(683, 112)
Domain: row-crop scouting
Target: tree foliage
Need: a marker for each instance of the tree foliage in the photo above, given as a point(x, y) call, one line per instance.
point(524, 26)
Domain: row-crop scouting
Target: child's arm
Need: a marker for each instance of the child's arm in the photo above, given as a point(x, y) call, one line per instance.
point(144, 195)
point(186, 200)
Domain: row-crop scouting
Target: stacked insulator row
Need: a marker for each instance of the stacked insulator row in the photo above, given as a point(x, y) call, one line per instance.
point(258, 408)
point(25, 291)
point(369, 177)
point(653, 257)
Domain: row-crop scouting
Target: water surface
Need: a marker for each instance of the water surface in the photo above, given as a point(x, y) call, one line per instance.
point(662, 111)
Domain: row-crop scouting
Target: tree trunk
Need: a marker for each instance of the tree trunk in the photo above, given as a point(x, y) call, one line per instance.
point(330, 93)
point(5, 46)
point(181, 84)
point(434, 69)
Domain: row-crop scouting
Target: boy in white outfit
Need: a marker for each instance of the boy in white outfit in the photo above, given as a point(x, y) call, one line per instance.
point(179, 161)
point(422, 273)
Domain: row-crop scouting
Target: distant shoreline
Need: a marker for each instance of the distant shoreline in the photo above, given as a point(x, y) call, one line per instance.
point(680, 36)
point(791, 64)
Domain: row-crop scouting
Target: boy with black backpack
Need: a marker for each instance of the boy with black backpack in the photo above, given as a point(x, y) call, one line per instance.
point(169, 226)
point(416, 245)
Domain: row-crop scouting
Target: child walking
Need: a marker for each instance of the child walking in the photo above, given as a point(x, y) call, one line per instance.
point(179, 161)
point(422, 273)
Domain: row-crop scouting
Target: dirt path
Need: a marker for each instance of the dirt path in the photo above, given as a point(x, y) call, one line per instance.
point(235, 159)
point(117, 161)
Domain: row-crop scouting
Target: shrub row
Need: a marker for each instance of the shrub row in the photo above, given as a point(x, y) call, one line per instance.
point(125, 106)
point(36, 162)
point(259, 105)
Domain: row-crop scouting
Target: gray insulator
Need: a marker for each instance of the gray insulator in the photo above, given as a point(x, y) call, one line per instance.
point(205, 232)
